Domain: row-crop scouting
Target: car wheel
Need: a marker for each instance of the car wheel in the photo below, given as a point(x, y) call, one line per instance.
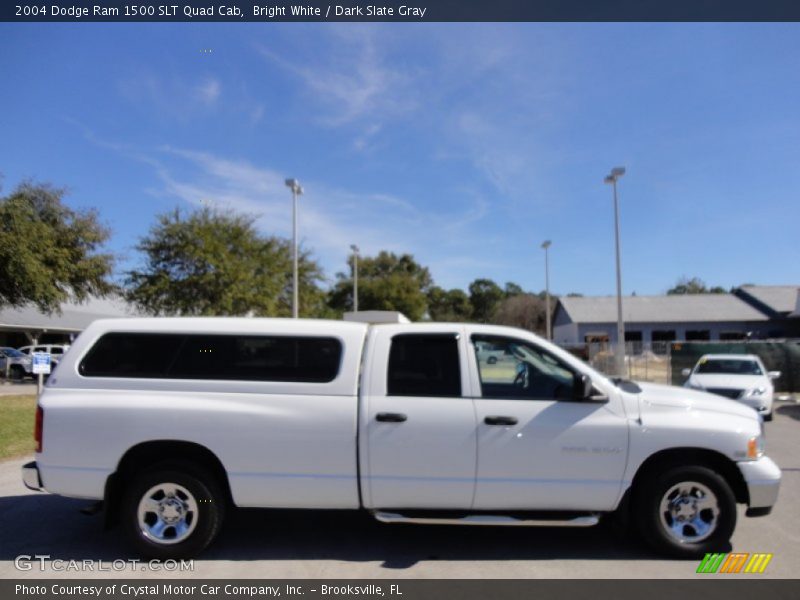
point(172, 510)
point(16, 373)
point(685, 512)
point(491, 360)
point(768, 416)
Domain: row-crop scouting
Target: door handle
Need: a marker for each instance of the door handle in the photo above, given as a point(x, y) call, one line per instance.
point(498, 420)
point(390, 417)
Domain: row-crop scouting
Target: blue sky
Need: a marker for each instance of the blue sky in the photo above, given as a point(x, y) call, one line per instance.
point(464, 144)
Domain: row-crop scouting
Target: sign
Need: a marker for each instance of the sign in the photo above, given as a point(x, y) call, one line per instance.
point(41, 363)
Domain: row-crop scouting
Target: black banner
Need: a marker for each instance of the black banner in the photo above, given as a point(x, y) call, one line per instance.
point(240, 11)
point(709, 588)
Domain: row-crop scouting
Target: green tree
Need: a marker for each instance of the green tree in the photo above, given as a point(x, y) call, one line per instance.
point(50, 253)
point(484, 295)
point(210, 262)
point(695, 285)
point(385, 282)
point(448, 305)
point(512, 289)
point(522, 310)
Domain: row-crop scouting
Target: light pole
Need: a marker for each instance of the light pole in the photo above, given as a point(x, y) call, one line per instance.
point(297, 190)
point(354, 248)
point(546, 244)
point(612, 178)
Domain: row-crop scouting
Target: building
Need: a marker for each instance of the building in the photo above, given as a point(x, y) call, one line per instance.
point(28, 325)
point(748, 312)
point(781, 303)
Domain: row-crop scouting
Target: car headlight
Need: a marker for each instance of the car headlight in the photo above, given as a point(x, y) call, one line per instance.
point(758, 391)
point(755, 447)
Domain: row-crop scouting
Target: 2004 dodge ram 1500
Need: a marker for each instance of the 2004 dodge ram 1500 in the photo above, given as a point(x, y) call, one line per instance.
point(172, 421)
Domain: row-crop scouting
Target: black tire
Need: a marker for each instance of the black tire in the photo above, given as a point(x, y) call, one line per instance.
point(491, 360)
point(768, 417)
point(207, 518)
point(647, 500)
point(16, 373)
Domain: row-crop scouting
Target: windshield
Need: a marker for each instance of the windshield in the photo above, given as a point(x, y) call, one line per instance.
point(729, 367)
point(12, 353)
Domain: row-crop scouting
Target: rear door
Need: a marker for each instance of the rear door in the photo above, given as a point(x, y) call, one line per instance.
point(418, 435)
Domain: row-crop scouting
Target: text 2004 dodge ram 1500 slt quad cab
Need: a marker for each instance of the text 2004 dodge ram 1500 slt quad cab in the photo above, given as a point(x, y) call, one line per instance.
point(172, 421)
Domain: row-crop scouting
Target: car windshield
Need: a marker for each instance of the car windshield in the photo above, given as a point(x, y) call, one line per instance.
point(729, 366)
point(12, 353)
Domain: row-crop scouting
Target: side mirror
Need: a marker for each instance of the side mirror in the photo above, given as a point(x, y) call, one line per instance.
point(686, 372)
point(583, 387)
point(774, 374)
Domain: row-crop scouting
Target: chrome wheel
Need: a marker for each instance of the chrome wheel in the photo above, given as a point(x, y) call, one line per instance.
point(689, 512)
point(167, 513)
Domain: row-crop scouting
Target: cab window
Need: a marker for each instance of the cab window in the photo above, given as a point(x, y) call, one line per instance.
point(424, 365)
point(521, 370)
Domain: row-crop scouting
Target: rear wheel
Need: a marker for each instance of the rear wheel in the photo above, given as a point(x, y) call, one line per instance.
point(172, 510)
point(685, 511)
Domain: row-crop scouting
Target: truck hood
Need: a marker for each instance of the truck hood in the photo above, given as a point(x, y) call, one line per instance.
point(667, 396)
point(739, 382)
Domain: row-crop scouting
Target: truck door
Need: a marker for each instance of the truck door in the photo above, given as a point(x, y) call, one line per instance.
point(538, 447)
point(417, 429)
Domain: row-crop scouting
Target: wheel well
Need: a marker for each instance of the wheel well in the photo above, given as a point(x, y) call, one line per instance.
point(149, 453)
point(700, 457)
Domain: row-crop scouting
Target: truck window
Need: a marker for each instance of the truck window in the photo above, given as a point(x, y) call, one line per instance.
point(523, 371)
point(226, 357)
point(424, 365)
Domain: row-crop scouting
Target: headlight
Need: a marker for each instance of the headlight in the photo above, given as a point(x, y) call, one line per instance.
point(759, 391)
point(755, 447)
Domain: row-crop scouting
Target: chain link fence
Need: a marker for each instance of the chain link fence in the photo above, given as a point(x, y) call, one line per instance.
point(644, 361)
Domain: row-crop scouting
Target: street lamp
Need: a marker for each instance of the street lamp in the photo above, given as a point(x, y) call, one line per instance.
point(546, 244)
point(354, 248)
point(297, 190)
point(612, 178)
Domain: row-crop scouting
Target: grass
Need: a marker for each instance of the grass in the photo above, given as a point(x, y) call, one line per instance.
point(17, 415)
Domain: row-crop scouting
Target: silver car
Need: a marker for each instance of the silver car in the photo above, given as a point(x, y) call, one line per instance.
point(15, 363)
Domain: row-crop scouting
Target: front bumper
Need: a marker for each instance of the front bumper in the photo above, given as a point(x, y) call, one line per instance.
point(30, 477)
point(763, 479)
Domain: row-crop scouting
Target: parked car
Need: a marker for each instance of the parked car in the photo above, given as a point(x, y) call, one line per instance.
point(489, 354)
point(740, 377)
point(19, 365)
point(171, 422)
point(56, 351)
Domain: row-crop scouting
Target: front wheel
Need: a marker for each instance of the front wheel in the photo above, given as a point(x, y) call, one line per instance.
point(686, 512)
point(172, 511)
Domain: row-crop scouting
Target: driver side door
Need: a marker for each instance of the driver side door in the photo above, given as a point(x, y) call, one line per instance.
point(538, 447)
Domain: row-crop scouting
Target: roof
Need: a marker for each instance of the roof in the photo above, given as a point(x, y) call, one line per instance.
point(74, 317)
point(775, 298)
point(376, 316)
point(679, 308)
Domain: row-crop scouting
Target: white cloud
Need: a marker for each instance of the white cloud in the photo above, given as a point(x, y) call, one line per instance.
point(208, 92)
point(352, 81)
point(330, 218)
point(174, 97)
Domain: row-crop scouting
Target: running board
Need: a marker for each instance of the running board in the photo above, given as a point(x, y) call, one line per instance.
point(577, 521)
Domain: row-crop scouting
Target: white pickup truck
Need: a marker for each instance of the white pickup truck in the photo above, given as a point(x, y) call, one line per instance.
point(172, 421)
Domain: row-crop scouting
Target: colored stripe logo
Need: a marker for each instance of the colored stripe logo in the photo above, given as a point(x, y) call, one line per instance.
point(734, 562)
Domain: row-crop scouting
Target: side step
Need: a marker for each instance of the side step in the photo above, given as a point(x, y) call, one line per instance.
point(582, 520)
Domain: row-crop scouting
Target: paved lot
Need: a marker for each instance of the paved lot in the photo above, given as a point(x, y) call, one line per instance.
point(275, 544)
